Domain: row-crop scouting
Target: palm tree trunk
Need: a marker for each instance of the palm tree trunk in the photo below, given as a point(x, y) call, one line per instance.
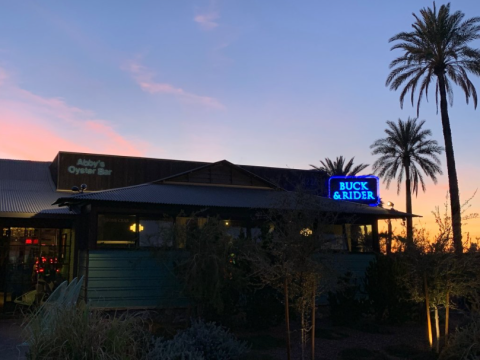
point(451, 169)
point(408, 191)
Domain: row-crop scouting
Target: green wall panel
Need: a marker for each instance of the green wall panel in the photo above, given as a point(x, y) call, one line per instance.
point(133, 279)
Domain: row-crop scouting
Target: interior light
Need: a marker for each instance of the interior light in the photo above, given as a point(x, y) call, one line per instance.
point(133, 227)
point(306, 232)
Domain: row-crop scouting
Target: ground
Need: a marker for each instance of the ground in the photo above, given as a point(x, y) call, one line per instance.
point(365, 340)
point(11, 340)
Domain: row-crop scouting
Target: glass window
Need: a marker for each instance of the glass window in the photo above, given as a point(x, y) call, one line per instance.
point(34, 258)
point(155, 232)
point(182, 225)
point(235, 229)
point(359, 237)
point(116, 230)
point(332, 237)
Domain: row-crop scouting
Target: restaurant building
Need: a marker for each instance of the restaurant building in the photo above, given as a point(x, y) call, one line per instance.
point(121, 207)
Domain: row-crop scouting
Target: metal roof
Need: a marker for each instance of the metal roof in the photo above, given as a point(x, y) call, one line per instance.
point(222, 196)
point(27, 187)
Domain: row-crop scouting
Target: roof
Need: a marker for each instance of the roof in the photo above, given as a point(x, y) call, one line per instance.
point(219, 196)
point(222, 173)
point(27, 187)
point(144, 170)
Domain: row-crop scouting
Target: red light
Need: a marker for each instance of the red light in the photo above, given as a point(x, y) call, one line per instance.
point(28, 242)
point(35, 241)
point(41, 270)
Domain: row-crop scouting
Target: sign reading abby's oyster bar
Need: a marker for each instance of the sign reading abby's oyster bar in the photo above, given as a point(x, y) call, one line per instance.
point(89, 167)
point(360, 189)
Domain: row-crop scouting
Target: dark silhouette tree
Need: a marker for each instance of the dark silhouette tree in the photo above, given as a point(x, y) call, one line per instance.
point(438, 48)
point(339, 167)
point(403, 153)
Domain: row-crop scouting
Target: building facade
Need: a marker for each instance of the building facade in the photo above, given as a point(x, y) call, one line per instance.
point(122, 207)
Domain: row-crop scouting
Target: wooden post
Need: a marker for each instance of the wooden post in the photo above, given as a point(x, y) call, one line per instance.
point(287, 318)
point(314, 293)
point(389, 238)
point(447, 316)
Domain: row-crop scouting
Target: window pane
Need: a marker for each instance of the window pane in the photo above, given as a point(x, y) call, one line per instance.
point(117, 230)
point(156, 232)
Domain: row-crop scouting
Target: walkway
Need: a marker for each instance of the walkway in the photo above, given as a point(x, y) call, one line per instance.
point(10, 337)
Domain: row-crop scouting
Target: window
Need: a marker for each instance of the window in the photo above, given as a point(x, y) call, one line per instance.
point(117, 230)
point(155, 233)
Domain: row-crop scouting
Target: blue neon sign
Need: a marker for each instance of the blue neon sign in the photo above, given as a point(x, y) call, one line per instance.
point(359, 189)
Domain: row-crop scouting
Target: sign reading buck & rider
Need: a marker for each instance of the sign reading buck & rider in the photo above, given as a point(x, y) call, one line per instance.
point(360, 189)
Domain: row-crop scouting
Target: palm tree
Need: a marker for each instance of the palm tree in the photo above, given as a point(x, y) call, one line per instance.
point(438, 47)
point(339, 168)
point(403, 153)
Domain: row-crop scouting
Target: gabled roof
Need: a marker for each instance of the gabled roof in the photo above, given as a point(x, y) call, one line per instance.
point(27, 187)
point(220, 173)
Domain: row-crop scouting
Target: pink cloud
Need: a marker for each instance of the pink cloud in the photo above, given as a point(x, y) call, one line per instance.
point(36, 128)
point(145, 79)
point(207, 21)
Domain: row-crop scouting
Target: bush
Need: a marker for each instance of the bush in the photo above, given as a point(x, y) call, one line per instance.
point(465, 343)
point(387, 296)
point(264, 308)
point(85, 334)
point(346, 304)
point(201, 341)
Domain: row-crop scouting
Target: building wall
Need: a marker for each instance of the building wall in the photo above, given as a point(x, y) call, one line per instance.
point(132, 279)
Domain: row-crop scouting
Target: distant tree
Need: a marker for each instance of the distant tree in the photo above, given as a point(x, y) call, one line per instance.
point(339, 167)
point(438, 47)
point(403, 153)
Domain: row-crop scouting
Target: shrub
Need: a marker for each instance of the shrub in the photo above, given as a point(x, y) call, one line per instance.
point(201, 341)
point(264, 308)
point(388, 297)
point(346, 304)
point(85, 334)
point(465, 343)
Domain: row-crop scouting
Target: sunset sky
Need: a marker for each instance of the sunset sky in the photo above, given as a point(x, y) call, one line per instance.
point(258, 82)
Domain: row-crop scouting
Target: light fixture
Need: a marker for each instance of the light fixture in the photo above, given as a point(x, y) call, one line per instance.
point(391, 204)
point(306, 232)
point(80, 190)
point(227, 223)
point(133, 227)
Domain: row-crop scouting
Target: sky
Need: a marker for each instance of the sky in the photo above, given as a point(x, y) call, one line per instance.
point(257, 82)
